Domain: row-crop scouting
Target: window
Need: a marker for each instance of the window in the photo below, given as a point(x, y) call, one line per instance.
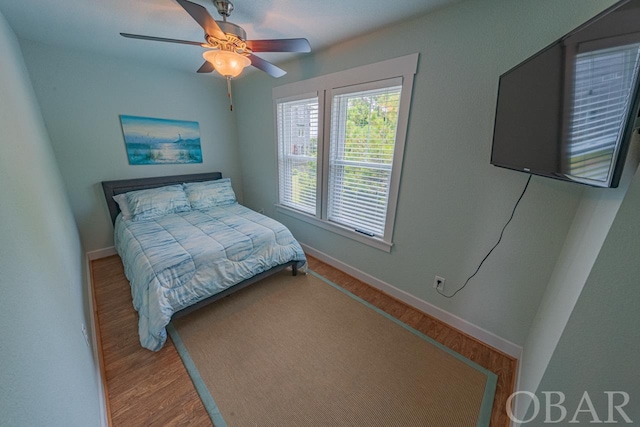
point(340, 147)
point(363, 136)
point(298, 153)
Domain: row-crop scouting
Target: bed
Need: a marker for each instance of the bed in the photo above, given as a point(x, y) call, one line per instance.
point(179, 256)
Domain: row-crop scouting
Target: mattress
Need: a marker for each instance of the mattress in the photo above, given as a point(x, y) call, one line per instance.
point(179, 259)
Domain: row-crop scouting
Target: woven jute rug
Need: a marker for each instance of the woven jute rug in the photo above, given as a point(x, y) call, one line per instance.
point(301, 351)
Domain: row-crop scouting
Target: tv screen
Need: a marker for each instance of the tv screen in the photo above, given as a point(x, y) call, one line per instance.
point(569, 111)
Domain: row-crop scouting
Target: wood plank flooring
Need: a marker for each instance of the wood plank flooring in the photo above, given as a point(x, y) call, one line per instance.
point(144, 388)
point(153, 389)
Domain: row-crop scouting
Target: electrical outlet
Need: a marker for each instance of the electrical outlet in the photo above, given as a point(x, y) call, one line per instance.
point(86, 336)
point(438, 283)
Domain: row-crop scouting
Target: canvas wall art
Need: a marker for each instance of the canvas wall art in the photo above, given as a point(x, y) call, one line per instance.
point(152, 141)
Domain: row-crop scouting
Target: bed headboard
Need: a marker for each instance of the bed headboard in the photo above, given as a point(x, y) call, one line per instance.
point(111, 188)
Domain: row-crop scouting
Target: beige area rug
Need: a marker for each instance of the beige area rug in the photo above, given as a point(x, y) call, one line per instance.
point(300, 351)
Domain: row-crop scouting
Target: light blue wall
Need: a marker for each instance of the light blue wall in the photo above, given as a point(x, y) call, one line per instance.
point(598, 350)
point(82, 94)
point(452, 202)
point(47, 374)
point(590, 227)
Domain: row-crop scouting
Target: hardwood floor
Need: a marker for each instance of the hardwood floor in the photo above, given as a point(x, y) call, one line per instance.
point(154, 389)
point(144, 388)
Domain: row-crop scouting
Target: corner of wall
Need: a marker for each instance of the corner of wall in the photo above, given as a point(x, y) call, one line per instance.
point(590, 227)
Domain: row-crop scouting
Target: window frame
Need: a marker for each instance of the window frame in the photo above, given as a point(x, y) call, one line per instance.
point(352, 89)
point(320, 130)
point(325, 87)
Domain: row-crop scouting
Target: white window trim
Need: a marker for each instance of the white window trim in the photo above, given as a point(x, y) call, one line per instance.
point(404, 68)
point(330, 94)
point(298, 97)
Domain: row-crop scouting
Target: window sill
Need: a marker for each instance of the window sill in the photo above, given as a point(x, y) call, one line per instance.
point(335, 228)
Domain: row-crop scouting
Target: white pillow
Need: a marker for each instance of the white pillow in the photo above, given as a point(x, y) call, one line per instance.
point(208, 194)
point(156, 202)
point(121, 200)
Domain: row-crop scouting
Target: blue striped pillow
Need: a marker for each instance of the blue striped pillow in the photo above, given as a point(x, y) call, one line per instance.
point(155, 202)
point(203, 195)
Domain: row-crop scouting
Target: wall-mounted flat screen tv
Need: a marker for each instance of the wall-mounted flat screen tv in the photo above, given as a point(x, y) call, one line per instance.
point(569, 111)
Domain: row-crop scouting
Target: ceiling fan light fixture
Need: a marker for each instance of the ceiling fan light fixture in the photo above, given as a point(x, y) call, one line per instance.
point(229, 64)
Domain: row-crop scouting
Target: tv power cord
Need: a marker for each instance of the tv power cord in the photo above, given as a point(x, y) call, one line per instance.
point(494, 246)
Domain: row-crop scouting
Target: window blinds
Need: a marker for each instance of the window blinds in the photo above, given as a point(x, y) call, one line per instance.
point(601, 102)
point(362, 142)
point(297, 123)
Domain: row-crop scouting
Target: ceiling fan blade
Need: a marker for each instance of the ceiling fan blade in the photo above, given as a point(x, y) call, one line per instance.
point(207, 67)
point(279, 45)
point(159, 39)
point(266, 66)
point(203, 18)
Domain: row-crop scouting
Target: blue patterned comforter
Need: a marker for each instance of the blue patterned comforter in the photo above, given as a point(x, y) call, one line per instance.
point(179, 259)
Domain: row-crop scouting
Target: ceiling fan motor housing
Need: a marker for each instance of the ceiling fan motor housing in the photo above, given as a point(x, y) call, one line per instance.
point(230, 28)
point(235, 41)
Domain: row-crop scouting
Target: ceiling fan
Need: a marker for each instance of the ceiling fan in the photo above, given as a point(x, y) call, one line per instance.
point(228, 50)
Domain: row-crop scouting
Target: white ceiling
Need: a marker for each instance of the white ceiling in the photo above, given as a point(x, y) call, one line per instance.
point(96, 24)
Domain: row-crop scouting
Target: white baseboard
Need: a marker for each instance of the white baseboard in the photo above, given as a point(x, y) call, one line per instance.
point(514, 403)
point(104, 416)
point(101, 253)
point(459, 323)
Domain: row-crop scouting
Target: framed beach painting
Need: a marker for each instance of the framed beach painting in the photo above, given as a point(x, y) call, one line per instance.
point(152, 141)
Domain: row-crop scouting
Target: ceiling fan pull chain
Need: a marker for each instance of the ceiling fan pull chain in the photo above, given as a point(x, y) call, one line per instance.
point(229, 93)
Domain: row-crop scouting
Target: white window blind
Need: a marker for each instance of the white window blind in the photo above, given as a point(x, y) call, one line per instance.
point(362, 143)
point(297, 123)
point(601, 102)
point(341, 141)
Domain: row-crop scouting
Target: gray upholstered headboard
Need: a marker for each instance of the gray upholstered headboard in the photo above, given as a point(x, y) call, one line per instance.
point(111, 188)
